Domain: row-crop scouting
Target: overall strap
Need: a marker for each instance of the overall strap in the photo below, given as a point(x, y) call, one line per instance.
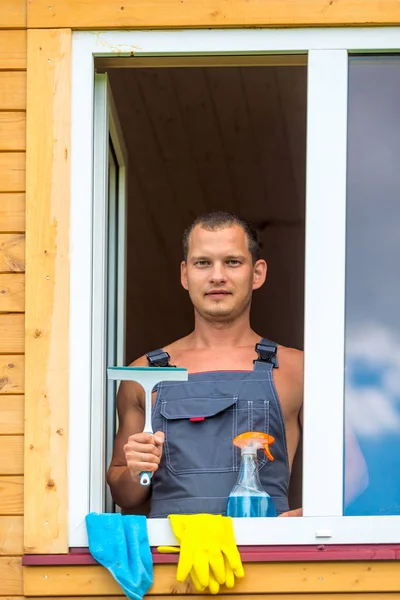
point(158, 358)
point(267, 359)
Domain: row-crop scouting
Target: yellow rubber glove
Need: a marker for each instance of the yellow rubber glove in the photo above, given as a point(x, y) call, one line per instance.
point(208, 551)
point(229, 548)
point(192, 531)
point(225, 542)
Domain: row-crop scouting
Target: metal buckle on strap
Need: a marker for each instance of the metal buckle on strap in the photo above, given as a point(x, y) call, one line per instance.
point(159, 359)
point(267, 354)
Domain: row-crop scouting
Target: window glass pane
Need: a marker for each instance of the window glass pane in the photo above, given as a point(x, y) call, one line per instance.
point(372, 351)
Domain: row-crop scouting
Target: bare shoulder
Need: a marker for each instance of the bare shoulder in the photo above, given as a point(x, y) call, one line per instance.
point(177, 345)
point(291, 361)
point(140, 362)
point(177, 350)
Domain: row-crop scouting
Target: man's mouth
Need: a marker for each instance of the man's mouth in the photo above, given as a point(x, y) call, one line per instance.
point(218, 293)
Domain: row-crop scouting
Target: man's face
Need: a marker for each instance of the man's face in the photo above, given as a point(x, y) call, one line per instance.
point(219, 274)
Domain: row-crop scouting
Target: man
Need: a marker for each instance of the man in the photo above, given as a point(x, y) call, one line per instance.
point(238, 382)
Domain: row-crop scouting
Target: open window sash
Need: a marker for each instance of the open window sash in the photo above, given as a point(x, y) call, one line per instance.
point(108, 291)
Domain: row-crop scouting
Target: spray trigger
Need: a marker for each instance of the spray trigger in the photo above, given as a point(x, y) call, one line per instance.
point(268, 452)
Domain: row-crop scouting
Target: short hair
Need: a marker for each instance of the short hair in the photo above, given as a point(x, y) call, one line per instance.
point(213, 221)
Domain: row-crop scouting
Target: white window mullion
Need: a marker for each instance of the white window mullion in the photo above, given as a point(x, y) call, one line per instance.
point(325, 283)
point(121, 155)
point(99, 293)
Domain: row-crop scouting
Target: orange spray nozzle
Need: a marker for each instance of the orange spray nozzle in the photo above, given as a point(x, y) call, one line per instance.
point(255, 439)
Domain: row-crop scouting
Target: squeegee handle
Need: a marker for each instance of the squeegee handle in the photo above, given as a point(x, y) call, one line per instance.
point(145, 478)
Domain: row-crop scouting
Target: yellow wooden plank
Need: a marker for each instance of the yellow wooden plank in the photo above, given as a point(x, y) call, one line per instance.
point(12, 130)
point(12, 13)
point(12, 253)
point(11, 536)
point(367, 596)
point(11, 382)
point(11, 413)
point(12, 90)
point(261, 578)
point(11, 455)
point(12, 293)
point(13, 49)
point(47, 291)
point(12, 170)
point(11, 333)
point(11, 575)
point(12, 212)
point(80, 14)
point(11, 495)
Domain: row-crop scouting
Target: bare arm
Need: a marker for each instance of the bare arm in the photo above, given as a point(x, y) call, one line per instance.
point(295, 366)
point(134, 451)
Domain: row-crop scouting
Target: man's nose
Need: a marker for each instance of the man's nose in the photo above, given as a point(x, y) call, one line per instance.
point(218, 273)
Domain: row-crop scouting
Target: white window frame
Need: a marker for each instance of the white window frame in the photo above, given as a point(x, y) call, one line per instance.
point(328, 51)
point(107, 138)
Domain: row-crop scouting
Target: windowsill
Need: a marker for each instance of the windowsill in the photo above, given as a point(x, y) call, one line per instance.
point(320, 552)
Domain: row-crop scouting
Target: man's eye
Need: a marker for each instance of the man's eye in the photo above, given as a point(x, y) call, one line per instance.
point(233, 262)
point(202, 263)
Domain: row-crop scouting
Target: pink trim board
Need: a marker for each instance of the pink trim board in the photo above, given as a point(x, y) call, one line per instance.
point(320, 552)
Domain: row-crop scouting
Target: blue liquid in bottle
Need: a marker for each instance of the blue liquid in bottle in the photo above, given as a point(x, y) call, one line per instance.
point(248, 498)
point(250, 506)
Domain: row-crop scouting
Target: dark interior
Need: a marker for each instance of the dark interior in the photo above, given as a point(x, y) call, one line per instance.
point(212, 138)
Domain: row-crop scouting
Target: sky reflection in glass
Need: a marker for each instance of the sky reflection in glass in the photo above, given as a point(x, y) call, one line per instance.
point(372, 352)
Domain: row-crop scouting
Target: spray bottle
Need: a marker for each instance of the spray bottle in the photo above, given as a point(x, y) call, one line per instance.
point(248, 499)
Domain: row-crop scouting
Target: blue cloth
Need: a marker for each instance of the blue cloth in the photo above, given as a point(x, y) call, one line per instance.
point(120, 543)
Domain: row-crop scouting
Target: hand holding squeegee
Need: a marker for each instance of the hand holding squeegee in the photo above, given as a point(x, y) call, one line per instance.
point(148, 378)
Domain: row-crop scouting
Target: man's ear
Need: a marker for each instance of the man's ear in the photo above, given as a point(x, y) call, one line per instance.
point(184, 280)
point(259, 274)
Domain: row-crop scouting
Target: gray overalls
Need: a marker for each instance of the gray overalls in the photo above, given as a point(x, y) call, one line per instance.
point(200, 418)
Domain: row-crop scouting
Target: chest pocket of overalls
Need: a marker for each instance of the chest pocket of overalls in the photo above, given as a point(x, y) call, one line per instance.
point(199, 432)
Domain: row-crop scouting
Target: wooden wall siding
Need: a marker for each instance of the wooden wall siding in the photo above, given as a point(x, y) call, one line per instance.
point(47, 291)
point(12, 413)
point(12, 254)
point(12, 212)
point(11, 333)
point(12, 90)
point(11, 576)
point(12, 292)
point(11, 377)
point(12, 296)
point(11, 455)
point(11, 495)
point(13, 14)
point(79, 14)
point(12, 171)
point(367, 596)
point(12, 130)
point(11, 536)
point(201, 139)
point(267, 578)
point(12, 48)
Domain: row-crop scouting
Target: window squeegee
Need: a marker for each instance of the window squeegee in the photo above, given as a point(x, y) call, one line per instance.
point(148, 378)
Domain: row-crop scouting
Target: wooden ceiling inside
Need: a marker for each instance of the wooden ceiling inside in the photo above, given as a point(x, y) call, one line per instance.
point(200, 139)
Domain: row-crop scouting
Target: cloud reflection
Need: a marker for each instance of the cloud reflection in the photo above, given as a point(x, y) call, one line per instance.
point(373, 382)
